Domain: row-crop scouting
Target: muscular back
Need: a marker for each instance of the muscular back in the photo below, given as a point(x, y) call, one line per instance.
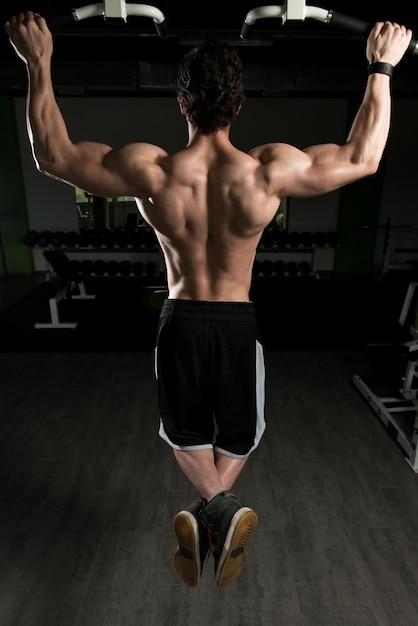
point(208, 215)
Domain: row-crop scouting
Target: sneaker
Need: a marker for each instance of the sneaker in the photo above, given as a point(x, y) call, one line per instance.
point(193, 543)
point(231, 526)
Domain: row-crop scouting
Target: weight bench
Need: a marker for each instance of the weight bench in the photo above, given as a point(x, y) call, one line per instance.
point(61, 266)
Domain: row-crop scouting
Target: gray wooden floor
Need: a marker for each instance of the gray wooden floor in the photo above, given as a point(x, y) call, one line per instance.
point(88, 492)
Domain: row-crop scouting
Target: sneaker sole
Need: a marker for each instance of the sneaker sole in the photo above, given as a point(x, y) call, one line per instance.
point(187, 555)
point(234, 555)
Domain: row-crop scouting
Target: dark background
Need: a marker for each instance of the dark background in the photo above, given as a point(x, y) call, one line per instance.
point(96, 40)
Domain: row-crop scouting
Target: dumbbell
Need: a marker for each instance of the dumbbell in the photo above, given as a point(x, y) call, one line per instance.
point(293, 239)
point(136, 238)
point(57, 239)
point(304, 268)
point(138, 268)
point(121, 238)
point(83, 238)
point(96, 237)
point(292, 268)
point(332, 238)
point(282, 238)
point(44, 238)
point(31, 238)
point(306, 239)
point(319, 239)
point(268, 238)
point(109, 238)
point(151, 269)
point(149, 238)
point(86, 267)
point(125, 267)
point(279, 267)
point(267, 268)
point(75, 266)
point(112, 267)
point(99, 267)
point(71, 239)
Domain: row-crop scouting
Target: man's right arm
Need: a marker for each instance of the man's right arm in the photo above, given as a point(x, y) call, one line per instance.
point(131, 170)
point(326, 167)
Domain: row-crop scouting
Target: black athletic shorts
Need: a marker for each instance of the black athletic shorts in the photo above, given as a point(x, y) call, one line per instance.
point(209, 365)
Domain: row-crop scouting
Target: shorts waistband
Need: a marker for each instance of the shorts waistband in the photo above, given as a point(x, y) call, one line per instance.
point(210, 310)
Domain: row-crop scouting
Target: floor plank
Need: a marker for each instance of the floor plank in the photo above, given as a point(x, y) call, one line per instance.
point(88, 491)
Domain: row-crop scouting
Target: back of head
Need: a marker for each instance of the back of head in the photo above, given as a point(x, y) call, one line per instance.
point(210, 85)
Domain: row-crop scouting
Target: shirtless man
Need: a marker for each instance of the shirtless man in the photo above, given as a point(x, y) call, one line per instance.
point(208, 204)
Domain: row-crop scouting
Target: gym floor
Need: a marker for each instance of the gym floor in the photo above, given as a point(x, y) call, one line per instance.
point(88, 492)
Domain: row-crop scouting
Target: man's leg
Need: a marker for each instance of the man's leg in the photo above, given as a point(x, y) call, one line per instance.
point(231, 524)
point(209, 472)
point(228, 468)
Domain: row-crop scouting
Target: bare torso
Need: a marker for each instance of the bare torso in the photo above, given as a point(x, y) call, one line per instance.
point(208, 215)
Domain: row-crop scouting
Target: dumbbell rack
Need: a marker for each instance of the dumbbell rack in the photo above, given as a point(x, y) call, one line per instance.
point(318, 256)
point(295, 253)
point(96, 253)
point(399, 413)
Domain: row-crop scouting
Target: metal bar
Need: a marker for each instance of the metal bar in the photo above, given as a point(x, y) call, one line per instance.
point(383, 414)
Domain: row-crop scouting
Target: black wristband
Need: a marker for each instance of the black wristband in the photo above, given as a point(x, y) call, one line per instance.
point(380, 68)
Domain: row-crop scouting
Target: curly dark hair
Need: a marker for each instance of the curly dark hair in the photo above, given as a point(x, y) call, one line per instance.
point(210, 85)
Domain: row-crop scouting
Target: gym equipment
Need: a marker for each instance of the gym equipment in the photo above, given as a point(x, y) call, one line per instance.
point(292, 268)
point(267, 268)
point(83, 238)
point(148, 237)
point(387, 248)
point(71, 239)
point(86, 267)
point(305, 268)
point(96, 237)
point(293, 239)
point(121, 238)
point(109, 238)
point(306, 239)
point(44, 238)
point(125, 268)
point(112, 267)
point(112, 10)
point(76, 266)
point(400, 413)
point(319, 239)
point(332, 239)
point(57, 239)
point(297, 10)
point(279, 267)
point(151, 269)
point(136, 238)
point(281, 238)
point(138, 268)
point(269, 237)
point(31, 239)
point(64, 269)
point(99, 267)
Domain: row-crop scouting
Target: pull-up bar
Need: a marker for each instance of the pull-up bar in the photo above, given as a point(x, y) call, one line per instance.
point(297, 10)
point(113, 10)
